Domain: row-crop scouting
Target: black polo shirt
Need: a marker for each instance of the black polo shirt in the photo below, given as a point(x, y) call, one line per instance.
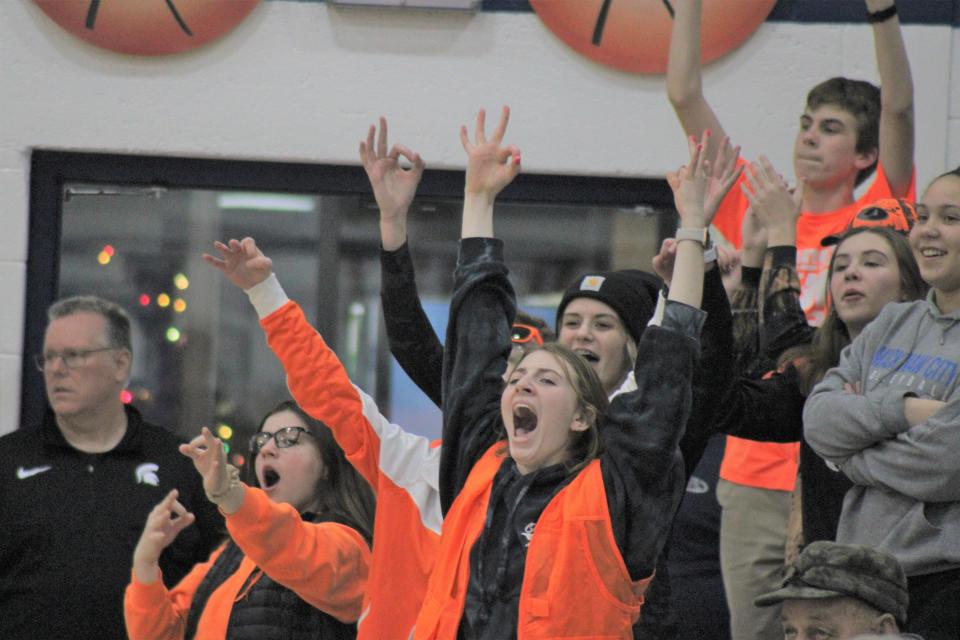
point(69, 522)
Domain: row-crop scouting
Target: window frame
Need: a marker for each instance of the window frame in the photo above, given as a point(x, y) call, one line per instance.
point(52, 170)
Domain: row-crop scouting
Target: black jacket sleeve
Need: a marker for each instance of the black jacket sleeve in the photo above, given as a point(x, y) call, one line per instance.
point(412, 340)
point(475, 357)
point(767, 410)
point(746, 325)
point(641, 462)
point(782, 322)
point(712, 380)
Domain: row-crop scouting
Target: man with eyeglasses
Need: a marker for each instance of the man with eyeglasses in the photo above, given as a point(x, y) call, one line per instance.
point(76, 489)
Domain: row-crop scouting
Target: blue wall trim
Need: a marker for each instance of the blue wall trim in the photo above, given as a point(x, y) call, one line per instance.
point(933, 12)
point(946, 12)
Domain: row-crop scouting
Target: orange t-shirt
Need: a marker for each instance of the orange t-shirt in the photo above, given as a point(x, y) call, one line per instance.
point(771, 465)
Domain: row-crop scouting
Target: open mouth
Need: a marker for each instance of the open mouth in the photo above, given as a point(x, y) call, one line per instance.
point(589, 356)
point(932, 253)
point(524, 420)
point(270, 478)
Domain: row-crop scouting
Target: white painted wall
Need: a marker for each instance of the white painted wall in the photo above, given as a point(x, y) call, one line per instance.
point(301, 81)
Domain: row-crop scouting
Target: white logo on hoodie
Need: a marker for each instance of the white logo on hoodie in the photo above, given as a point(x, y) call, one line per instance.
point(146, 473)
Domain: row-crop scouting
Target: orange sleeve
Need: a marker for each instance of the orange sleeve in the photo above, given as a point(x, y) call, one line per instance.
point(319, 384)
point(324, 563)
point(729, 217)
point(152, 612)
point(880, 188)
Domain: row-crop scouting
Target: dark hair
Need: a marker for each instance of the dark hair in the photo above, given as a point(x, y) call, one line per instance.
point(342, 492)
point(118, 322)
point(534, 321)
point(954, 173)
point(591, 402)
point(832, 336)
point(860, 99)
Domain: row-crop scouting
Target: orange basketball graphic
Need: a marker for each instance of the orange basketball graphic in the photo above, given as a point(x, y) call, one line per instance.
point(147, 27)
point(634, 35)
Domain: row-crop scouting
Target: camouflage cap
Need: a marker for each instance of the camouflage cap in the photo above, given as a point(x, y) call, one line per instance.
point(894, 213)
point(828, 570)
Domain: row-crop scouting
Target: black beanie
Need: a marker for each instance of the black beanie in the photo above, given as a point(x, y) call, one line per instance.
point(631, 293)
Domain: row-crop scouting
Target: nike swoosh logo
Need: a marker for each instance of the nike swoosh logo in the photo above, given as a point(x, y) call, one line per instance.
point(23, 474)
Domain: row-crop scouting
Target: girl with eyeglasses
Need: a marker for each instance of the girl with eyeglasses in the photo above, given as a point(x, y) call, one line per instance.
point(296, 562)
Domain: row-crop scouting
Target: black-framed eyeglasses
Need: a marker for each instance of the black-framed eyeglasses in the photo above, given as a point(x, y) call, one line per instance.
point(284, 437)
point(71, 359)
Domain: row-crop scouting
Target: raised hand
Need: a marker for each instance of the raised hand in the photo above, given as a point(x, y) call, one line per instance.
point(490, 165)
point(726, 171)
point(394, 186)
point(164, 523)
point(689, 185)
point(772, 201)
point(210, 460)
point(241, 261)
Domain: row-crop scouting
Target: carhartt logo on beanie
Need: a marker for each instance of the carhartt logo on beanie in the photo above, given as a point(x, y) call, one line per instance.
point(631, 293)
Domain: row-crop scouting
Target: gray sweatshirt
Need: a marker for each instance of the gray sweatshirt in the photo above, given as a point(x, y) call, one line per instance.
point(906, 498)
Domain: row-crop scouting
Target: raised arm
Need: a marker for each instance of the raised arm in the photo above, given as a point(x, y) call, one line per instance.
point(684, 75)
point(381, 451)
point(481, 312)
point(783, 324)
point(896, 97)
point(712, 379)
point(412, 340)
point(641, 462)
point(782, 321)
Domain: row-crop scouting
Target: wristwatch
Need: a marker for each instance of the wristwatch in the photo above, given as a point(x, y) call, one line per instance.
point(697, 234)
point(703, 237)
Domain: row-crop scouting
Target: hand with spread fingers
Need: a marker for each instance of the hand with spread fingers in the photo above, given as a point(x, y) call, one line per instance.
point(726, 170)
point(394, 186)
point(777, 208)
point(164, 524)
point(689, 185)
point(700, 186)
point(241, 261)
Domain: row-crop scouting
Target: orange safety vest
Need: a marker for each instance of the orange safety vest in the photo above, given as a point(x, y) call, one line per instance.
point(575, 583)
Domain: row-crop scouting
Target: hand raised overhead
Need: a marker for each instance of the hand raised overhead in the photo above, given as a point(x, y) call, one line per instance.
point(699, 187)
point(393, 185)
point(725, 172)
point(490, 165)
point(241, 261)
point(776, 207)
